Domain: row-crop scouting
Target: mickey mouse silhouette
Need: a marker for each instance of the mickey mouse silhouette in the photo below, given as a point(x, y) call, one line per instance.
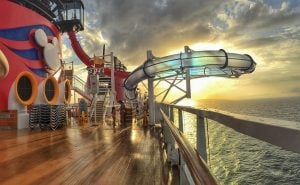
point(51, 50)
point(4, 66)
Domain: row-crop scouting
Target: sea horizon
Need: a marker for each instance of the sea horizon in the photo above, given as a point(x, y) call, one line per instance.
point(246, 160)
point(246, 99)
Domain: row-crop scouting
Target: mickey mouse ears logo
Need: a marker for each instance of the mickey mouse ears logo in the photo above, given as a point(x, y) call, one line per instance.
point(50, 51)
point(4, 66)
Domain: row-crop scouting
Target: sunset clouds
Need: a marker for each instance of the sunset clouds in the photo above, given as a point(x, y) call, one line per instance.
point(268, 30)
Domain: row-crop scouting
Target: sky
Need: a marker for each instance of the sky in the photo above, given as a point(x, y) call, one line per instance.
point(268, 30)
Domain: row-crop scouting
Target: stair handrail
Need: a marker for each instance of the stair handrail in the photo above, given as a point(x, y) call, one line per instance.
point(80, 86)
point(107, 94)
point(93, 103)
point(76, 78)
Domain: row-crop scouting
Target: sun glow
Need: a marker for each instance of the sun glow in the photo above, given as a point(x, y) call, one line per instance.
point(200, 47)
point(207, 46)
point(187, 102)
point(208, 87)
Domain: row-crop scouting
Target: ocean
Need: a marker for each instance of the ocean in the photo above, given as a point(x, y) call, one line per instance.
point(237, 159)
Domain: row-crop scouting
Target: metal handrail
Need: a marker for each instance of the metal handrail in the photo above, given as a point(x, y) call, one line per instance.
point(197, 167)
point(79, 79)
point(79, 86)
point(285, 134)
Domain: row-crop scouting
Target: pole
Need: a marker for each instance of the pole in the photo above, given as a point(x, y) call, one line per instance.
point(95, 96)
point(95, 116)
point(103, 52)
point(201, 138)
point(187, 76)
point(151, 98)
point(112, 78)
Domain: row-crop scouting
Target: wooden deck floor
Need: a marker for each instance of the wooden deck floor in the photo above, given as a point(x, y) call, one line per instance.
point(83, 155)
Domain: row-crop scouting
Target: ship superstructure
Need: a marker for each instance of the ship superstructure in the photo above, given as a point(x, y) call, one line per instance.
point(31, 58)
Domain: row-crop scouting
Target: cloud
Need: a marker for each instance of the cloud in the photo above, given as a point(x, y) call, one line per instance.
point(267, 30)
point(260, 22)
point(134, 26)
point(66, 52)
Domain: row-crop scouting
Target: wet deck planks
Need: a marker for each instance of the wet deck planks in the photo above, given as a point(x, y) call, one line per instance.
point(87, 155)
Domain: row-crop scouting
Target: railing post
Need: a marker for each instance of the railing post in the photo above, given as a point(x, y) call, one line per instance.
point(185, 176)
point(112, 79)
point(171, 114)
point(172, 151)
point(180, 120)
point(158, 116)
point(151, 100)
point(201, 137)
point(182, 175)
point(151, 97)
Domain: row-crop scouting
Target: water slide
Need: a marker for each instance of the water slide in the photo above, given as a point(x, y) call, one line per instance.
point(88, 61)
point(199, 63)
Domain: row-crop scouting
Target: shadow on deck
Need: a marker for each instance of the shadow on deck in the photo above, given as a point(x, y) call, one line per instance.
point(84, 155)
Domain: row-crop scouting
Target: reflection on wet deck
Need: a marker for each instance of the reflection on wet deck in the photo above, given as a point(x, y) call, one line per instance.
point(83, 155)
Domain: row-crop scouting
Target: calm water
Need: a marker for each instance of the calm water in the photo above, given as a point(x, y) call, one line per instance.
point(239, 159)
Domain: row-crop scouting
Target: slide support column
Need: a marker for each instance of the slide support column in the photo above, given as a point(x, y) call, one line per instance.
point(151, 97)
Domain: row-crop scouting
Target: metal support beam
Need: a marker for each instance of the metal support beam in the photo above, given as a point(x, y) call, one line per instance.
point(171, 114)
point(180, 120)
point(188, 76)
point(157, 84)
point(178, 100)
point(158, 116)
point(151, 97)
point(201, 138)
point(157, 95)
point(172, 84)
point(175, 84)
point(113, 86)
point(188, 84)
point(146, 87)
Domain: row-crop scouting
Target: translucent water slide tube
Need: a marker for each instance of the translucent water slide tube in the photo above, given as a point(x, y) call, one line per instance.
point(200, 64)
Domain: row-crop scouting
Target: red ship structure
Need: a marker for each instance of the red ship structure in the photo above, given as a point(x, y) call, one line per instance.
point(36, 85)
point(32, 75)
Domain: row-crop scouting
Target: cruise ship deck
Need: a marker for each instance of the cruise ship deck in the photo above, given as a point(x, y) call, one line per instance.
point(84, 155)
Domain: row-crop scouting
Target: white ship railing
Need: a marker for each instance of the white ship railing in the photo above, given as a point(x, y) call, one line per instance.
point(196, 165)
point(285, 134)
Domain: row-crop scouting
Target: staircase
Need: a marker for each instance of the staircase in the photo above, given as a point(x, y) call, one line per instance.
point(101, 103)
point(104, 85)
point(78, 86)
point(99, 111)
